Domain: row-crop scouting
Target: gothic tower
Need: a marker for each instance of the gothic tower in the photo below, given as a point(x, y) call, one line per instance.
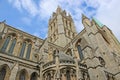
point(61, 28)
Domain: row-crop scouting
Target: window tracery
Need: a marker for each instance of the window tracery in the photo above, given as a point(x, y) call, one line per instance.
point(2, 73)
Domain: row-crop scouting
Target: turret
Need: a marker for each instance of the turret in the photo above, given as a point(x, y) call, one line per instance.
point(61, 28)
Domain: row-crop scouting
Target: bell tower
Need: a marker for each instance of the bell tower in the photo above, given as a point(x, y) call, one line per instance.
point(61, 29)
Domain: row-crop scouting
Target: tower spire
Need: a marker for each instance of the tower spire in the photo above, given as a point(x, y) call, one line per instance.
point(61, 28)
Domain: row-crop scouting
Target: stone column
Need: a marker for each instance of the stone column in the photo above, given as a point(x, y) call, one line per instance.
point(14, 71)
point(25, 52)
point(41, 68)
point(57, 75)
point(9, 44)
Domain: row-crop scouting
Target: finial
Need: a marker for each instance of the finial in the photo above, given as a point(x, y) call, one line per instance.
point(64, 12)
point(84, 17)
point(58, 9)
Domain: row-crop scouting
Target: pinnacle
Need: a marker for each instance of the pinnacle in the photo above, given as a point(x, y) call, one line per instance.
point(83, 16)
point(58, 9)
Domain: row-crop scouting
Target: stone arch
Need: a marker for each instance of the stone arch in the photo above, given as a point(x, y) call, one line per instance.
point(27, 77)
point(34, 76)
point(9, 43)
point(28, 40)
point(7, 71)
point(68, 73)
point(49, 74)
point(12, 34)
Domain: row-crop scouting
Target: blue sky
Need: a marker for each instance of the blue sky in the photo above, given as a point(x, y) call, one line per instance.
point(32, 15)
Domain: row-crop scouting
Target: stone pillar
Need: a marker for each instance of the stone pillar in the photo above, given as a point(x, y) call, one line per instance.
point(57, 75)
point(41, 68)
point(25, 52)
point(9, 44)
point(14, 71)
point(18, 46)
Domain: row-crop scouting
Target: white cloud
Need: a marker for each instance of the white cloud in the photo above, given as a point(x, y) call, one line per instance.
point(27, 5)
point(26, 20)
point(107, 11)
point(16, 3)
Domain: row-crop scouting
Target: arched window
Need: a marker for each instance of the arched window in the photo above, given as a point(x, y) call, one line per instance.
point(28, 51)
point(80, 52)
point(12, 46)
point(4, 47)
point(33, 76)
point(22, 49)
point(22, 75)
point(68, 75)
point(48, 76)
point(2, 73)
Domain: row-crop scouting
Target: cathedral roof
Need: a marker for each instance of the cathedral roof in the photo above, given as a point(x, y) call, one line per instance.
point(98, 22)
point(63, 56)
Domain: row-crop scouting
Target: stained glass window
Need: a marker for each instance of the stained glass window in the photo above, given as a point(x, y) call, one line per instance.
point(68, 75)
point(2, 73)
point(12, 46)
point(28, 51)
point(33, 76)
point(80, 52)
point(22, 49)
point(22, 75)
point(4, 47)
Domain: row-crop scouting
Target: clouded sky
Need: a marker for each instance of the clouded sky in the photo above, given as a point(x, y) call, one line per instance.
point(32, 15)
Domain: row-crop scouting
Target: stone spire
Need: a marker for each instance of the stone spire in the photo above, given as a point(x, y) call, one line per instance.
point(85, 20)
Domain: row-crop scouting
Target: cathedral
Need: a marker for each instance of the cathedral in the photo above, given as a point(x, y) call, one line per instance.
point(92, 54)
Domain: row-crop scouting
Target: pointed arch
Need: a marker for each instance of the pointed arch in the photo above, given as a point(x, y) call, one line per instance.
point(34, 76)
point(22, 49)
point(28, 51)
point(22, 75)
point(48, 76)
point(4, 72)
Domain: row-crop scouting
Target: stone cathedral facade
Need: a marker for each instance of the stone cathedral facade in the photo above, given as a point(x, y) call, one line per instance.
point(92, 54)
